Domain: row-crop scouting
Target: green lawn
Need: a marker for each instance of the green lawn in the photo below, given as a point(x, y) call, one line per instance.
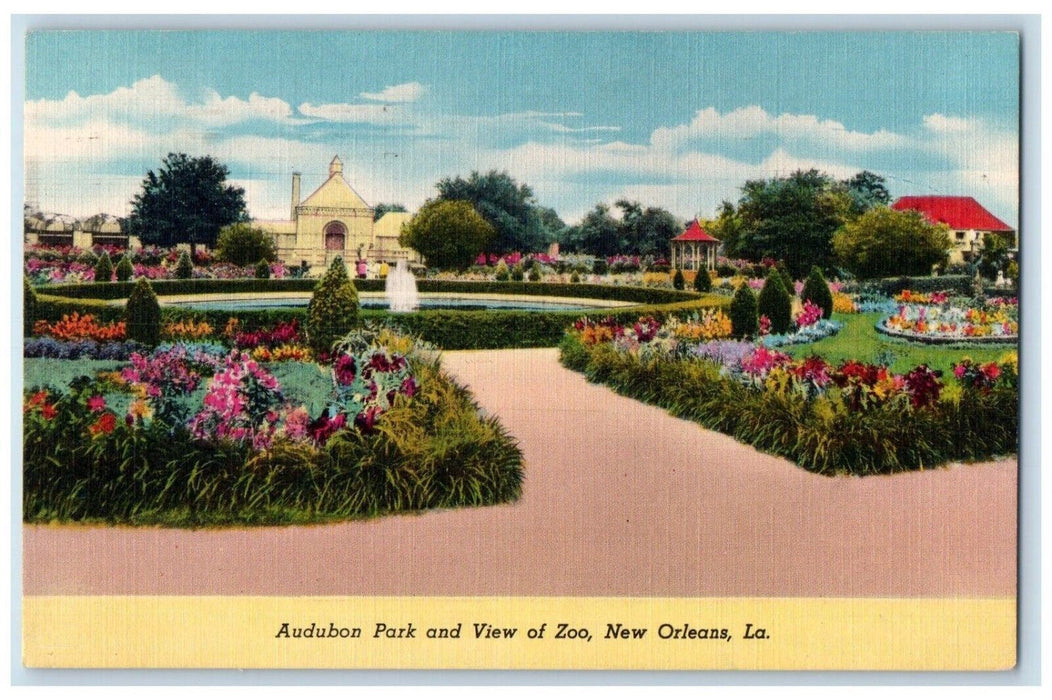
point(859, 339)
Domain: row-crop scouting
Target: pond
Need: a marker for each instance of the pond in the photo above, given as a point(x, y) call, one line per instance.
point(377, 302)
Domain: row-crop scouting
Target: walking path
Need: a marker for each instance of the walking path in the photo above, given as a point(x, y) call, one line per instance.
point(619, 499)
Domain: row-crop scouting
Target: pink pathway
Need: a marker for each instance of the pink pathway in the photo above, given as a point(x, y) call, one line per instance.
point(619, 499)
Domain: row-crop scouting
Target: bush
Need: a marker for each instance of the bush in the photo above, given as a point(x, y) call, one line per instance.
point(104, 268)
point(184, 268)
point(599, 267)
point(575, 277)
point(262, 270)
point(535, 272)
point(29, 307)
point(502, 274)
point(775, 303)
point(517, 273)
point(242, 244)
point(702, 282)
point(333, 309)
point(677, 279)
point(743, 312)
point(816, 289)
point(142, 314)
point(125, 269)
point(958, 285)
point(787, 280)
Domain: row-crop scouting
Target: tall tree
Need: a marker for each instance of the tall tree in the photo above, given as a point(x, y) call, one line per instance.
point(186, 201)
point(509, 207)
point(867, 190)
point(887, 243)
point(447, 233)
point(646, 231)
point(597, 234)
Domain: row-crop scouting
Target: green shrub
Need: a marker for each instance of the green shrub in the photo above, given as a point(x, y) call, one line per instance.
point(262, 270)
point(702, 282)
point(184, 269)
point(960, 285)
point(29, 307)
point(599, 267)
point(333, 308)
point(242, 244)
point(517, 273)
point(677, 279)
point(502, 274)
point(125, 269)
point(575, 277)
point(775, 303)
point(535, 272)
point(787, 280)
point(142, 314)
point(743, 312)
point(816, 289)
point(104, 268)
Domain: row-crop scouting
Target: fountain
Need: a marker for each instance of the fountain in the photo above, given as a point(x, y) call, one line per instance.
point(401, 289)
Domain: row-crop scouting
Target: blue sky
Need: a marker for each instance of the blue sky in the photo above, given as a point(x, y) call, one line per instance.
point(678, 120)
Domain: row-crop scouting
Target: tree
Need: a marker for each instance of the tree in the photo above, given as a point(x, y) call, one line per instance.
point(702, 281)
point(774, 303)
point(142, 314)
point(888, 243)
point(242, 244)
point(598, 234)
point(993, 255)
point(646, 231)
point(510, 208)
point(104, 268)
point(184, 269)
point(816, 290)
point(333, 308)
point(867, 190)
point(380, 209)
point(29, 307)
point(677, 279)
point(447, 233)
point(125, 269)
point(186, 201)
point(743, 312)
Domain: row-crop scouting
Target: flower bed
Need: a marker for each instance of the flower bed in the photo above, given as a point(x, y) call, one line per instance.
point(851, 417)
point(942, 321)
point(195, 434)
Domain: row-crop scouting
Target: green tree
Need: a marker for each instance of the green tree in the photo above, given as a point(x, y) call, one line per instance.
point(104, 268)
point(888, 243)
point(535, 272)
point(677, 279)
point(380, 209)
point(142, 314)
point(867, 190)
point(333, 308)
point(262, 270)
point(598, 234)
point(125, 269)
point(646, 231)
point(449, 234)
point(510, 208)
point(187, 200)
point(816, 290)
point(702, 281)
point(993, 256)
point(775, 303)
point(243, 244)
point(29, 307)
point(184, 269)
point(743, 312)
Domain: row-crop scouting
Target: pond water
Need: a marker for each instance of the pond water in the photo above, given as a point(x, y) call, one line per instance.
point(486, 304)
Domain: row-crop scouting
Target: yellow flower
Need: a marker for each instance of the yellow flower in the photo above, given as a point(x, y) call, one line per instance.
point(139, 409)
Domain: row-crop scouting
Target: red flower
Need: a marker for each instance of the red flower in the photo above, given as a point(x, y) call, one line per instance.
point(48, 411)
point(105, 424)
point(344, 369)
point(37, 399)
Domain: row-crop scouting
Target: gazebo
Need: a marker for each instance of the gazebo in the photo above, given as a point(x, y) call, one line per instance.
point(694, 248)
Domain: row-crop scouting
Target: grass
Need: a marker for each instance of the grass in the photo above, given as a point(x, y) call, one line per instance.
point(859, 340)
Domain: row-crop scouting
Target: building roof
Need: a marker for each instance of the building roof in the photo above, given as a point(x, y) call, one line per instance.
point(959, 213)
point(390, 224)
point(695, 232)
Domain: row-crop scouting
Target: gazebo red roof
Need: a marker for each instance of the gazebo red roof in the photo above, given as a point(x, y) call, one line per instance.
point(959, 213)
point(695, 232)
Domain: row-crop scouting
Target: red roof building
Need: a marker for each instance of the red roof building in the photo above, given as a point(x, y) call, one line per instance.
point(968, 220)
point(694, 248)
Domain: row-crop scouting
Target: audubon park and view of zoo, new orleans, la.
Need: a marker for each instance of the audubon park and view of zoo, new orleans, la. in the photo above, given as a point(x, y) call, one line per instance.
point(829, 355)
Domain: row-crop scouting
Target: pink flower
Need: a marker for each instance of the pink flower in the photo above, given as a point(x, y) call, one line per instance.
point(96, 404)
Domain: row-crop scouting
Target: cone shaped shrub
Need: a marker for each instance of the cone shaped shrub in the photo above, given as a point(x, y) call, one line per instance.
point(517, 273)
point(787, 280)
point(702, 281)
point(29, 307)
point(142, 314)
point(502, 273)
point(333, 309)
point(184, 269)
point(677, 279)
point(125, 269)
point(743, 312)
point(535, 272)
point(262, 270)
point(104, 268)
point(816, 289)
point(775, 303)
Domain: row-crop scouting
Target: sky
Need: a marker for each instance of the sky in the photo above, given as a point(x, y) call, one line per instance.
point(678, 120)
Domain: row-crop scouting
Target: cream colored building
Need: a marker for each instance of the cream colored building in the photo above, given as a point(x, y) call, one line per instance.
point(334, 221)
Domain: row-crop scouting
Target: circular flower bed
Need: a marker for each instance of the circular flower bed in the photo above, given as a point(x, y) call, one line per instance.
point(997, 321)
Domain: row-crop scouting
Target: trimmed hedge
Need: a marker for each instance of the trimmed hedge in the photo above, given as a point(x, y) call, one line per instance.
point(960, 285)
point(816, 434)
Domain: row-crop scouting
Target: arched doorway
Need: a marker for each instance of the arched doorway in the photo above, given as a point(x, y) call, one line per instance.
point(335, 236)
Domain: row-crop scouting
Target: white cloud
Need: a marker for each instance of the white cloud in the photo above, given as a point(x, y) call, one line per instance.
point(355, 113)
point(943, 124)
point(405, 92)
